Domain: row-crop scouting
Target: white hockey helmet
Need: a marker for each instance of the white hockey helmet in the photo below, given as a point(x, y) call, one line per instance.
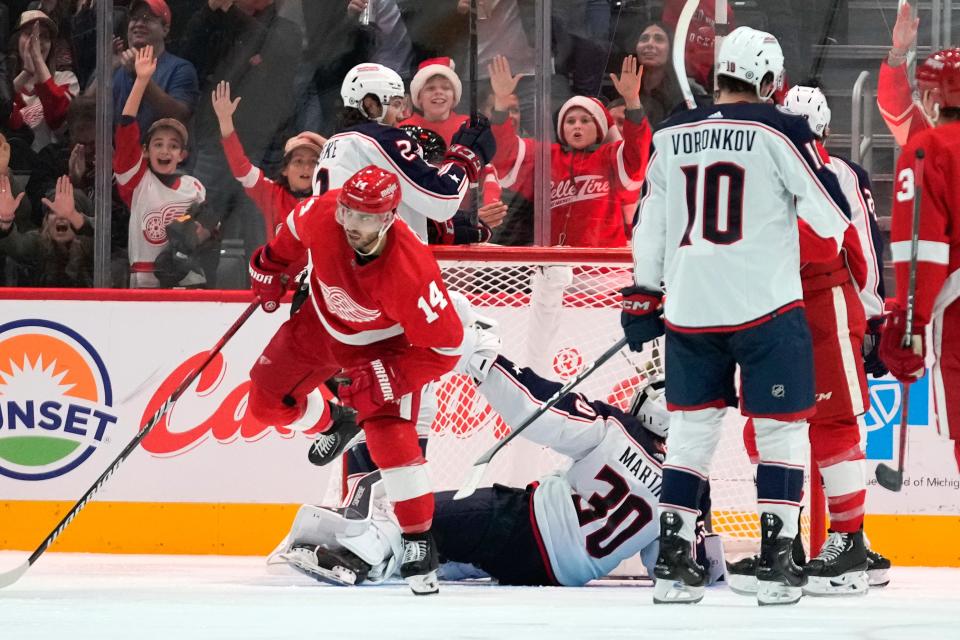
point(373, 79)
point(649, 406)
point(810, 103)
point(749, 55)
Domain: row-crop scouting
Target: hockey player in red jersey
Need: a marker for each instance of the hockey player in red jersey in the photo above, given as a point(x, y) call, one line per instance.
point(588, 168)
point(377, 309)
point(937, 299)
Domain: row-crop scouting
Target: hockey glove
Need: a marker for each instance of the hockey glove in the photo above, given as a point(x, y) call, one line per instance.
point(266, 280)
point(371, 386)
point(472, 146)
point(872, 364)
point(642, 316)
point(907, 364)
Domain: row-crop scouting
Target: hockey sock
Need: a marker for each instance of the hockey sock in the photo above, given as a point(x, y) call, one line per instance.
point(783, 449)
point(836, 450)
point(395, 448)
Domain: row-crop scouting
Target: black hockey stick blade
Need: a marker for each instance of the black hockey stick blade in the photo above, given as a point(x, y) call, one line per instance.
point(889, 479)
point(9, 577)
point(480, 466)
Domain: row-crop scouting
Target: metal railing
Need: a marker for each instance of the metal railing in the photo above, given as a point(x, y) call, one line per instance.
point(861, 123)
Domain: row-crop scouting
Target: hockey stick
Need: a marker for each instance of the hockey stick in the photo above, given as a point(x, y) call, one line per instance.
point(680, 51)
point(474, 110)
point(887, 477)
point(9, 577)
point(480, 466)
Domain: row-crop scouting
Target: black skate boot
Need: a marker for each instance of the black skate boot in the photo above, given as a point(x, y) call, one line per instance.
point(742, 574)
point(342, 434)
point(841, 567)
point(877, 568)
point(779, 577)
point(419, 564)
point(340, 567)
point(680, 579)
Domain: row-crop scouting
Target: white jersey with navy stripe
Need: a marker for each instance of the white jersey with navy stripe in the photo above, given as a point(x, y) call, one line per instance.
point(717, 225)
point(602, 509)
point(428, 192)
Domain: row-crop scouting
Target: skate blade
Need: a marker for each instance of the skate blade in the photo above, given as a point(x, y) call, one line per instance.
point(742, 585)
point(774, 593)
point(878, 578)
point(337, 576)
point(676, 592)
point(848, 584)
point(424, 585)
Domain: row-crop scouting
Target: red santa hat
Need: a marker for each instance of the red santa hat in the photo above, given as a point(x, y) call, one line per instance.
point(606, 131)
point(435, 67)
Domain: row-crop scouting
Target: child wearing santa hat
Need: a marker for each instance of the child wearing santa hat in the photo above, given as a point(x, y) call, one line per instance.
point(592, 170)
point(435, 91)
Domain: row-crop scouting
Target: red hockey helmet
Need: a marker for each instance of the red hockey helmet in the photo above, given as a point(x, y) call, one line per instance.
point(371, 190)
point(941, 73)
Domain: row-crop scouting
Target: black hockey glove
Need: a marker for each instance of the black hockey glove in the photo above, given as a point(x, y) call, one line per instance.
point(642, 316)
point(872, 364)
point(472, 146)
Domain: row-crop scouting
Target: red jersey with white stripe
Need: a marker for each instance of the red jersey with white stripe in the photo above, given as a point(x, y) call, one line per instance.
point(360, 303)
point(938, 258)
point(154, 202)
point(586, 187)
point(903, 115)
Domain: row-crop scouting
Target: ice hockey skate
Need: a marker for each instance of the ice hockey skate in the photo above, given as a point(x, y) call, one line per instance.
point(340, 567)
point(679, 578)
point(878, 568)
point(342, 434)
point(779, 578)
point(419, 564)
point(840, 568)
point(742, 574)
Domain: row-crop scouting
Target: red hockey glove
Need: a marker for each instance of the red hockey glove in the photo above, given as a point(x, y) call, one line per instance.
point(371, 386)
point(642, 316)
point(906, 364)
point(265, 279)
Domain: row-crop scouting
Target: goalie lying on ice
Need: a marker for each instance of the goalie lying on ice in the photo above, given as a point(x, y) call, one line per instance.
point(567, 529)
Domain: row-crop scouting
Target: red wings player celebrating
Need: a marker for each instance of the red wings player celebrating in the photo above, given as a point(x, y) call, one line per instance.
point(378, 309)
point(937, 298)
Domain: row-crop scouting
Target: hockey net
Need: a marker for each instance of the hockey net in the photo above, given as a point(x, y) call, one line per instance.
point(558, 309)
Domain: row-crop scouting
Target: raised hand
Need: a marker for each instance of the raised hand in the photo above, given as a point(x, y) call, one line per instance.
point(628, 84)
point(126, 59)
point(8, 203)
point(26, 56)
point(502, 81)
point(4, 155)
point(77, 164)
point(144, 63)
point(224, 107)
point(40, 70)
point(356, 6)
point(905, 30)
point(63, 204)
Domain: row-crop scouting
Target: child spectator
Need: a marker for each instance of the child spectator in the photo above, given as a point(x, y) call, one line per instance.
point(60, 254)
point(435, 90)
point(147, 178)
point(300, 154)
point(41, 95)
point(588, 171)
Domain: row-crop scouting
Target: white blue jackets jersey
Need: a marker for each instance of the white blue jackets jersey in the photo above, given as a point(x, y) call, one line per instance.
point(855, 184)
point(717, 222)
point(602, 509)
point(428, 191)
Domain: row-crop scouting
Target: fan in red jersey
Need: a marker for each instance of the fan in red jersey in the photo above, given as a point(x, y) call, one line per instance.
point(377, 309)
point(937, 299)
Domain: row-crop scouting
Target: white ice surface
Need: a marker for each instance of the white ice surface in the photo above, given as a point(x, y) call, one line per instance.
point(106, 597)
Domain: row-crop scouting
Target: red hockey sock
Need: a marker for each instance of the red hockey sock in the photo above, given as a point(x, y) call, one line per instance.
point(846, 512)
point(394, 446)
point(836, 449)
point(415, 515)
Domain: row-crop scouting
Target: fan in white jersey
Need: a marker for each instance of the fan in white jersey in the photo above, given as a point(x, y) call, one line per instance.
point(372, 97)
point(567, 529)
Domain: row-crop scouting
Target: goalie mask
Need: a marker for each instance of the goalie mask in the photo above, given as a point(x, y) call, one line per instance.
point(649, 406)
point(371, 79)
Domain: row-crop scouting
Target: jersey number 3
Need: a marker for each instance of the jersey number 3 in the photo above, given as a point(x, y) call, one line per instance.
point(713, 177)
point(437, 301)
point(905, 185)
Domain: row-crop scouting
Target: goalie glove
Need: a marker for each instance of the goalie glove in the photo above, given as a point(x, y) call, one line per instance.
point(641, 316)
